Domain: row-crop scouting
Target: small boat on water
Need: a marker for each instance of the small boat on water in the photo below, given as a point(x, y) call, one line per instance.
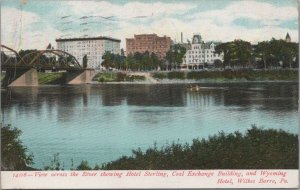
point(193, 87)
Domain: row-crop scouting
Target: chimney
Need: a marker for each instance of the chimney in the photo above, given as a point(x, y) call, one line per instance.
point(181, 37)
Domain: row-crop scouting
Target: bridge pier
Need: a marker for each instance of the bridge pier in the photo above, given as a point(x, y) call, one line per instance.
point(19, 77)
point(82, 77)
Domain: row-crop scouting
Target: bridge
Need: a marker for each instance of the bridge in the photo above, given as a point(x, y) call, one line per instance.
point(22, 67)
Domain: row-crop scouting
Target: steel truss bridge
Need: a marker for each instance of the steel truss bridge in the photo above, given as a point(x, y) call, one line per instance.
point(49, 59)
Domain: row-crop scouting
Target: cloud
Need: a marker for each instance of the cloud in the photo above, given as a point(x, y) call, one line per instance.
point(248, 20)
point(18, 30)
point(262, 21)
point(129, 10)
point(249, 9)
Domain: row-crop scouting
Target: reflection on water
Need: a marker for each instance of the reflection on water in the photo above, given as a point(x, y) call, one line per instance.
point(100, 123)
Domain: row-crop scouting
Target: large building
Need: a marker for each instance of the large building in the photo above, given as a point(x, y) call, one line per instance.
point(199, 54)
point(93, 47)
point(148, 42)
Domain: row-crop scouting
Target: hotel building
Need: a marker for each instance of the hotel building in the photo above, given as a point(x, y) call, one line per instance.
point(148, 42)
point(93, 47)
point(199, 54)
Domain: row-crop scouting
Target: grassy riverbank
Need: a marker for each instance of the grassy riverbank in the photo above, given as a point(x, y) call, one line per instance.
point(48, 78)
point(228, 75)
point(256, 149)
point(180, 76)
point(118, 77)
point(51, 78)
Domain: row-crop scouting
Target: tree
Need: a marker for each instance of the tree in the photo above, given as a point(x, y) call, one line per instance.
point(174, 55)
point(218, 63)
point(263, 51)
point(14, 154)
point(236, 53)
point(84, 61)
point(122, 52)
point(84, 165)
point(137, 61)
point(242, 52)
point(107, 59)
point(225, 48)
point(276, 52)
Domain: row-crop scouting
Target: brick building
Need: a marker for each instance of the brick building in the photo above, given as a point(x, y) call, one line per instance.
point(148, 42)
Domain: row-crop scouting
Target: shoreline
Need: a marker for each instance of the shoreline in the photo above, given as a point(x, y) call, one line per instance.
point(162, 82)
point(166, 81)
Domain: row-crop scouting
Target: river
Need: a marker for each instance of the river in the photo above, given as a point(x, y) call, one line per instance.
point(100, 123)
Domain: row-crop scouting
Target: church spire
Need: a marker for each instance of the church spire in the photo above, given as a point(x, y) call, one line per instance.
point(287, 38)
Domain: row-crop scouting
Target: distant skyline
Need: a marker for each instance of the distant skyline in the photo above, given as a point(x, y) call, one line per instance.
point(32, 24)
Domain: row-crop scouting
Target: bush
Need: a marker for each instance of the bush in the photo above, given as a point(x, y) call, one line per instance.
point(132, 78)
point(159, 75)
point(257, 149)
point(101, 79)
point(105, 77)
point(84, 165)
point(121, 77)
point(51, 78)
point(14, 154)
point(55, 163)
point(176, 75)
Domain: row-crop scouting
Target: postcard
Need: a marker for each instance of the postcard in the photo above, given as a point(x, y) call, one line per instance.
point(140, 94)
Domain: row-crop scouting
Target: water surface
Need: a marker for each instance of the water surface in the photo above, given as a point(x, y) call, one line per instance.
point(100, 123)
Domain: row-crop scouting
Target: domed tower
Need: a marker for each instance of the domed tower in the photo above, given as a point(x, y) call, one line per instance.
point(197, 39)
point(287, 38)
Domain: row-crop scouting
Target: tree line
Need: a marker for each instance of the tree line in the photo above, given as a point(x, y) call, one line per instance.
point(145, 61)
point(265, 54)
point(237, 54)
point(138, 61)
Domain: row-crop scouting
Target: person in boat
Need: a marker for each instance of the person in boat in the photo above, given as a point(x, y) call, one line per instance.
point(195, 87)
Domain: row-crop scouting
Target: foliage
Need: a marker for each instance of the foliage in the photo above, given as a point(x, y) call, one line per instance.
point(135, 78)
point(236, 53)
point(113, 60)
point(2, 75)
point(84, 61)
point(117, 77)
point(266, 54)
point(51, 78)
point(159, 75)
point(247, 74)
point(257, 149)
point(35, 57)
point(174, 56)
point(29, 55)
point(84, 165)
point(136, 62)
point(176, 75)
point(14, 154)
point(55, 163)
point(121, 76)
point(105, 77)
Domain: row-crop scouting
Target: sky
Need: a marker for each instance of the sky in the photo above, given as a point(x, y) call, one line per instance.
point(33, 24)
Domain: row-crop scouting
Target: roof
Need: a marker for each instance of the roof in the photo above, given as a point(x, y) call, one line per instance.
point(86, 39)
